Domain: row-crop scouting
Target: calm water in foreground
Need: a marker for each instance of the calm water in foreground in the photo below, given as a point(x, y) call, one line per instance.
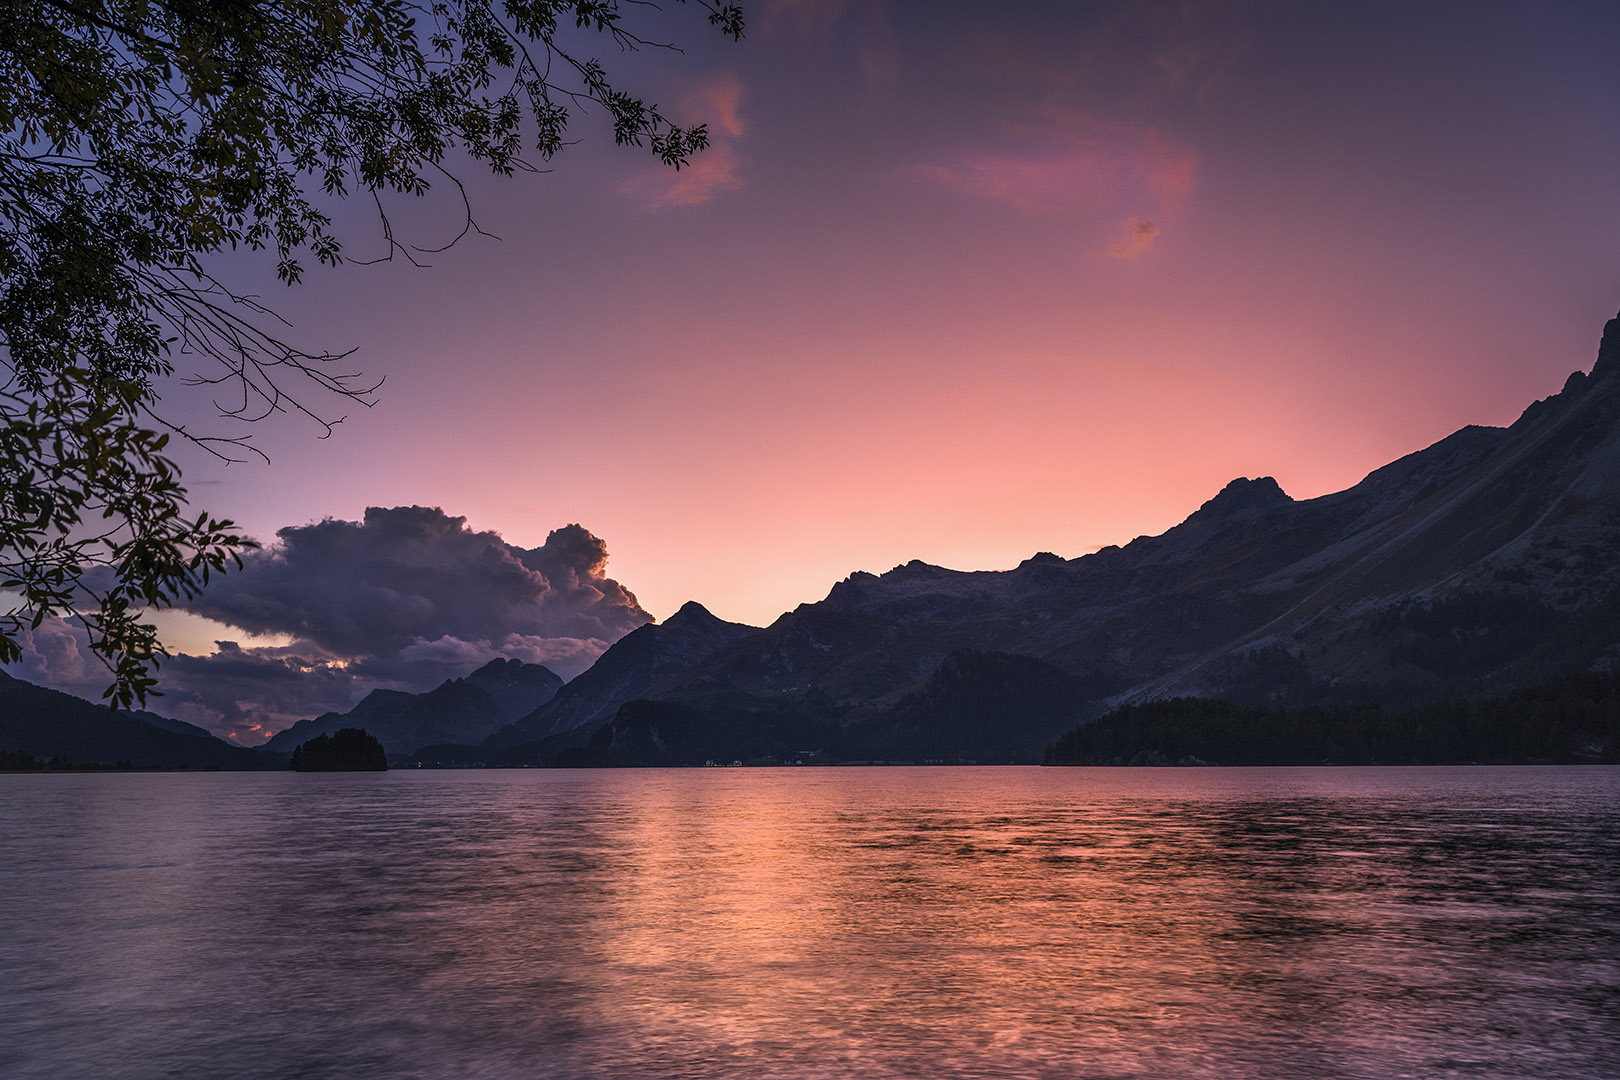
point(797, 923)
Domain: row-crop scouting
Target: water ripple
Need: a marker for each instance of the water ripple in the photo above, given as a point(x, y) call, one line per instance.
point(809, 923)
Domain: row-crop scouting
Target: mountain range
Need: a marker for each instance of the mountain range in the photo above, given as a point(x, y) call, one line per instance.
point(1487, 561)
point(41, 724)
point(457, 710)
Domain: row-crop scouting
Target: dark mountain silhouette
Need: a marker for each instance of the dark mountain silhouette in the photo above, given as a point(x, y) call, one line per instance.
point(1567, 720)
point(634, 667)
point(170, 724)
point(977, 706)
point(44, 724)
point(722, 727)
point(1487, 561)
point(456, 711)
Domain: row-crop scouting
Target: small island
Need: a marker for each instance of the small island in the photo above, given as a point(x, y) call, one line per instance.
point(346, 750)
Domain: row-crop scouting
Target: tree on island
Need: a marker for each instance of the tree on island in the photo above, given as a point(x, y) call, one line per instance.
point(140, 137)
point(346, 750)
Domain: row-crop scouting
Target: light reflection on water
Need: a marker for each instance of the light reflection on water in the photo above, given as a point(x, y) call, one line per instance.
point(759, 924)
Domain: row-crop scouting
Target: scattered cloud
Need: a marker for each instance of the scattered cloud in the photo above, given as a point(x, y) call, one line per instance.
point(719, 98)
point(562, 655)
point(1072, 172)
point(1135, 239)
point(56, 653)
point(715, 102)
point(1053, 163)
point(566, 655)
point(405, 598)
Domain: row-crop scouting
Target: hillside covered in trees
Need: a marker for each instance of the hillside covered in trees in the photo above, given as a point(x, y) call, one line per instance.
point(1574, 719)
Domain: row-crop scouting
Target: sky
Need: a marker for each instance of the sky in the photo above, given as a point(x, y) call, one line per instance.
point(956, 281)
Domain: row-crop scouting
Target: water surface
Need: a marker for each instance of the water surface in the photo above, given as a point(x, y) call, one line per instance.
point(809, 923)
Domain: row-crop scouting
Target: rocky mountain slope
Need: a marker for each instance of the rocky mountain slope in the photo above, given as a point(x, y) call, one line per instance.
point(457, 711)
point(636, 666)
point(1486, 561)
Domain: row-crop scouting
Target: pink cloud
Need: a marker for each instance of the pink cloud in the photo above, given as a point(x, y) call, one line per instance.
point(567, 655)
point(57, 653)
point(1073, 172)
point(715, 103)
point(1064, 163)
point(708, 175)
point(1135, 239)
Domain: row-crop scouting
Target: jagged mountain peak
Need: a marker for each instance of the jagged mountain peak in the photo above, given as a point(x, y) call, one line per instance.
point(907, 581)
point(1579, 382)
point(630, 668)
point(691, 616)
point(1245, 496)
point(853, 589)
point(504, 674)
point(1608, 357)
point(914, 570)
point(1575, 387)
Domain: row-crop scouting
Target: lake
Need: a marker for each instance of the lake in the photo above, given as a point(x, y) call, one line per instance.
point(813, 923)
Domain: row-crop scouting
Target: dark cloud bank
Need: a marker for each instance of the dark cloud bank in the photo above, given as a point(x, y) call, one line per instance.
point(406, 598)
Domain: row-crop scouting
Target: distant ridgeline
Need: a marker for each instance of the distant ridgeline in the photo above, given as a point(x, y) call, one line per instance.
point(1485, 562)
point(43, 729)
point(1575, 719)
point(346, 750)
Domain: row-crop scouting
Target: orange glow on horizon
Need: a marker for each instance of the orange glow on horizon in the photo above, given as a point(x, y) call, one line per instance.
point(1007, 288)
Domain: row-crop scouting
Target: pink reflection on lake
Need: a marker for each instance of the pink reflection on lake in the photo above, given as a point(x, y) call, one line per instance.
point(814, 923)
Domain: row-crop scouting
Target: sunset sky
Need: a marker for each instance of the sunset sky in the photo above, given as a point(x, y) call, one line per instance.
point(966, 281)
